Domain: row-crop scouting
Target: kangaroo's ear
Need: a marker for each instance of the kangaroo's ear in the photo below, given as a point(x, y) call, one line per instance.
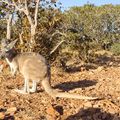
point(12, 44)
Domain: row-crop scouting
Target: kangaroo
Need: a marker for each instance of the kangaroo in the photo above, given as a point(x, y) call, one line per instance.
point(33, 67)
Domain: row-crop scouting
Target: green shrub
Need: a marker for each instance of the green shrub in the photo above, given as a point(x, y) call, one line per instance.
point(115, 48)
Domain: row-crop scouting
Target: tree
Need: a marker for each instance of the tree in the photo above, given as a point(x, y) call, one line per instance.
point(7, 14)
point(30, 10)
point(22, 6)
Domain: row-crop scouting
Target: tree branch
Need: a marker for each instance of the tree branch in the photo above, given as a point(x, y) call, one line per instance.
point(36, 12)
point(57, 32)
point(9, 20)
point(26, 11)
point(26, 8)
point(20, 37)
point(56, 47)
point(16, 6)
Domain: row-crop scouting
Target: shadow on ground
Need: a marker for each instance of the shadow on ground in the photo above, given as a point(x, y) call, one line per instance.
point(107, 60)
point(66, 86)
point(93, 114)
point(101, 60)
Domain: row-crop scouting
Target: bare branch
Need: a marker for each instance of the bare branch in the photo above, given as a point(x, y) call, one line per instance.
point(26, 11)
point(36, 11)
point(9, 20)
point(56, 47)
point(20, 37)
point(26, 8)
point(57, 32)
point(16, 6)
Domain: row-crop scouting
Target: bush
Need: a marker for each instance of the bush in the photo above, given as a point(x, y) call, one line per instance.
point(115, 48)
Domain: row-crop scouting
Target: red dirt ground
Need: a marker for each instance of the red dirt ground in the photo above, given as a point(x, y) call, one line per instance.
point(103, 82)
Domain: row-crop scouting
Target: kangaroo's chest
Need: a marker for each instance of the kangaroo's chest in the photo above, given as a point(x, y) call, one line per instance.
point(10, 63)
point(13, 65)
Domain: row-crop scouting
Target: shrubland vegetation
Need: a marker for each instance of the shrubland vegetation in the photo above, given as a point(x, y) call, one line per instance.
point(75, 33)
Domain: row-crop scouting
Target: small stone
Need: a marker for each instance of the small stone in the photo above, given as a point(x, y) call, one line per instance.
point(99, 69)
point(111, 63)
point(88, 104)
point(2, 115)
point(51, 113)
point(11, 110)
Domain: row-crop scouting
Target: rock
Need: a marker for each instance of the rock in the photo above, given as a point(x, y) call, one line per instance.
point(99, 69)
point(51, 113)
point(91, 72)
point(82, 68)
point(11, 110)
point(88, 104)
point(1, 68)
point(2, 115)
point(111, 63)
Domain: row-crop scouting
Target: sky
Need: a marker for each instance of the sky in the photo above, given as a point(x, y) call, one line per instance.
point(69, 3)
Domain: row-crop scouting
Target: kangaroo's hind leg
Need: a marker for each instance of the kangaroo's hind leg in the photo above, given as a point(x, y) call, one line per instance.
point(34, 86)
point(25, 89)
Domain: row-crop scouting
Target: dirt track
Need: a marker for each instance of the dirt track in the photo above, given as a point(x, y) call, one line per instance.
point(101, 82)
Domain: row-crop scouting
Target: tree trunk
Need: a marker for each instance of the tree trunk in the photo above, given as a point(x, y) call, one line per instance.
point(32, 37)
point(9, 21)
point(33, 32)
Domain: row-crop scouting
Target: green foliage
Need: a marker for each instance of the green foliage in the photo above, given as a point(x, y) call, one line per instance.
point(115, 48)
point(87, 29)
point(2, 29)
point(99, 25)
